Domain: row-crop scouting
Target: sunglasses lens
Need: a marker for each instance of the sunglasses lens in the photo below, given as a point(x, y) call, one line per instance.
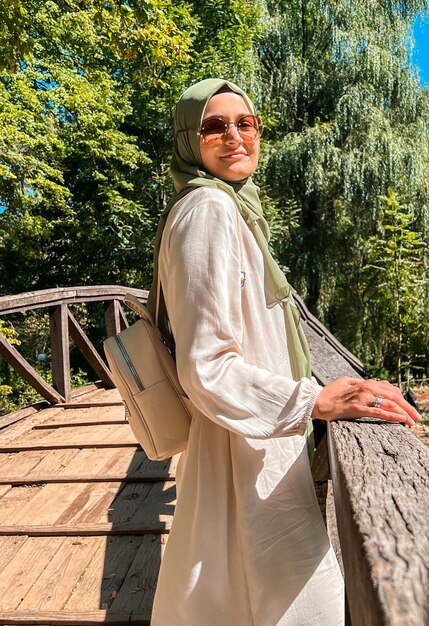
point(248, 127)
point(213, 129)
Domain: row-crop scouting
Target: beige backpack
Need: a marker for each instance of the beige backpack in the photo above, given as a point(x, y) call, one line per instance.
point(145, 374)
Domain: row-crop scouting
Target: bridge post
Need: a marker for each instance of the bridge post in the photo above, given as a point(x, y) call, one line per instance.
point(58, 322)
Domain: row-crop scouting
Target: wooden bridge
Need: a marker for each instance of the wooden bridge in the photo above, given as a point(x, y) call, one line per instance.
point(84, 515)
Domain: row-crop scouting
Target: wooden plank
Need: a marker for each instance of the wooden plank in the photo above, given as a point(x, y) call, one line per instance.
point(20, 573)
point(89, 352)
point(93, 461)
point(4, 489)
point(128, 501)
point(125, 461)
point(52, 461)
point(93, 414)
point(33, 479)
point(17, 416)
point(9, 546)
point(93, 501)
point(65, 568)
point(327, 364)
point(60, 351)
point(138, 589)
point(103, 578)
point(51, 425)
point(381, 489)
point(112, 317)
point(123, 317)
point(109, 432)
point(15, 499)
point(86, 502)
point(21, 463)
point(28, 373)
point(332, 528)
point(26, 425)
point(86, 390)
point(73, 618)
point(65, 446)
point(320, 464)
point(67, 498)
point(88, 405)
point(58, 295)
point(84, 530)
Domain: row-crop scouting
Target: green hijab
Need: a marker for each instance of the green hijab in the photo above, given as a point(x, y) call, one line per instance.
point(188, 172)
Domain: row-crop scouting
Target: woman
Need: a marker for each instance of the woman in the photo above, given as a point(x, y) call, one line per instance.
point(248, 546)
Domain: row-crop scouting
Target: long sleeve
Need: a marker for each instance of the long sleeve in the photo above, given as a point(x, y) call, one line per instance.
point(201, 277)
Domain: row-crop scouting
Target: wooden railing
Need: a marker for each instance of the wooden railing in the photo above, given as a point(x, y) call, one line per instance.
point(380, 471)
point(62, 326)
point(380, 489)
point(380, 477)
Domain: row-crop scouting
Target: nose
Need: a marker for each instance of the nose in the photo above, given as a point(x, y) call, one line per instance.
point(232, 134)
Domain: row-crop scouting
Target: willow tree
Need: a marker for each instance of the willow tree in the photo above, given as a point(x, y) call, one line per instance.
point(347, 120)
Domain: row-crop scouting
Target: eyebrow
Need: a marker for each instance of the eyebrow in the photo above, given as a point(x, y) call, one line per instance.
point(223, 117)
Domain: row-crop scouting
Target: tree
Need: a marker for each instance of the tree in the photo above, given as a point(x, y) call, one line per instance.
point(397, 262)
point(347, 120)
point(86, 98)
point(85, 136)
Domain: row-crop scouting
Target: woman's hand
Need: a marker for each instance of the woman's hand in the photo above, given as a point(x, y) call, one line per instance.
point(350, 398)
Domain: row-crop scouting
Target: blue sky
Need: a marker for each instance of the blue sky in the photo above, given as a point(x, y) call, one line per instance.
point(420, 53)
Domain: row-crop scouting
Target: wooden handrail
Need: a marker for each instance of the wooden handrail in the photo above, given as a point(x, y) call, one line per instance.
point(67, 295)
point(380, 475)
point(62, 325)
point(380, 479)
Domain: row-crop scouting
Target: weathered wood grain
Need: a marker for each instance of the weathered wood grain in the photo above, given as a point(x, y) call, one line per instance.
point(68, 424)
point(138, 589)
point(88, 350)
point(33, 479)
point(102, 579)
point(112, 318)
point(25, 426)
point(20, 573)
point(14, 499)
point(60, 354)
point(4, 489)
point(9, 546)
point(84, 530)
point(66, 565)
point(64, 446)
point(73, 618)
point(380, 475)
point(327, 364)
point(58, 295)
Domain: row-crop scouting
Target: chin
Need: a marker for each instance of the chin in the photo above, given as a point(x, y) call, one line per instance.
point(236, 177)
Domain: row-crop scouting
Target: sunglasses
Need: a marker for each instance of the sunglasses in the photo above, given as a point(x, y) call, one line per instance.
point(214, 129)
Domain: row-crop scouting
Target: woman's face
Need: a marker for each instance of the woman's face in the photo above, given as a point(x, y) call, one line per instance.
point(233, 159)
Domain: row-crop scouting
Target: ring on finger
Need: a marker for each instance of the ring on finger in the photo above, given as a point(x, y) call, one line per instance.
point(377, 401)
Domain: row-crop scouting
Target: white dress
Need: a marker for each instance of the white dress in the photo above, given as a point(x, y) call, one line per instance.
point(248, 546)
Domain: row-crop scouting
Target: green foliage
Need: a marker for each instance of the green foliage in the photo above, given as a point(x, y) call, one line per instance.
point(87, 90)
point(347, 119)
point(397, 260)
point(9, 333)
point(85, 133)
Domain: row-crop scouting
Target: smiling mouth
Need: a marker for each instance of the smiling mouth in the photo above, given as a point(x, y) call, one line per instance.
point(234, 155)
